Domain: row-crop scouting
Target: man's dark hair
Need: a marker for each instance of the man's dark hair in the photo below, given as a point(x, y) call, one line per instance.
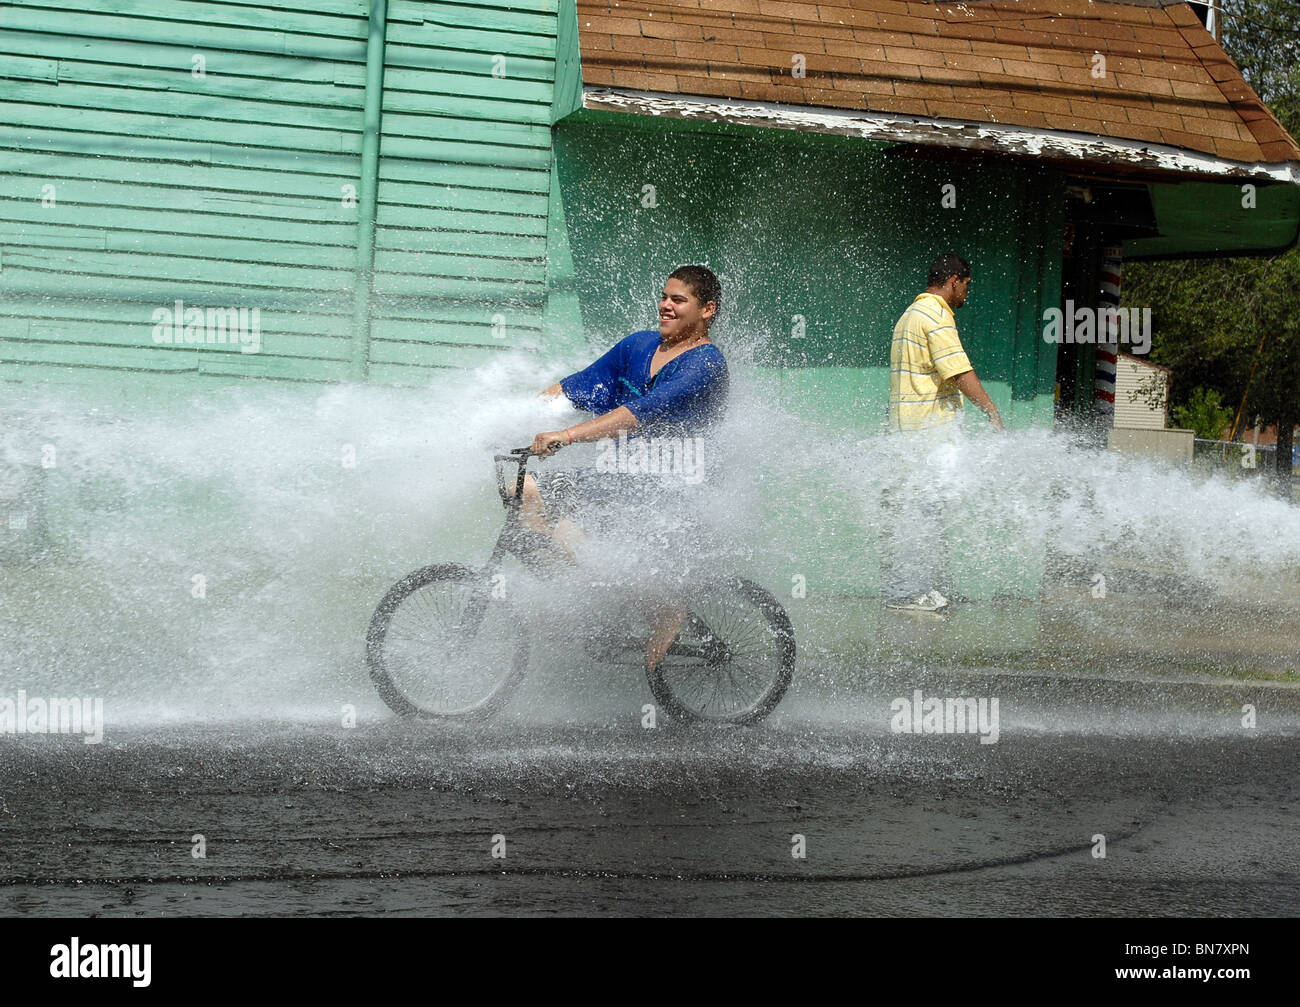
point(946, 265)
point(704, 285)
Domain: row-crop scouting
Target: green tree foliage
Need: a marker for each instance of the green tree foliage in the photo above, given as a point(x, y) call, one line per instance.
point(1211, 314)
point(1204, 413)
point(1263, 39)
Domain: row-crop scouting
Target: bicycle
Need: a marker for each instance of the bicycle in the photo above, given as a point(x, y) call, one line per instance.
point(730, 663)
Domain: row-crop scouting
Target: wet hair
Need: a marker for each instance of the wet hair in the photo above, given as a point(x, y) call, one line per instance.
point(702, 283)
point(946, 265)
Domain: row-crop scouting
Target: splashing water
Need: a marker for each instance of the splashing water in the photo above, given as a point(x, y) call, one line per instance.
point(221, 556)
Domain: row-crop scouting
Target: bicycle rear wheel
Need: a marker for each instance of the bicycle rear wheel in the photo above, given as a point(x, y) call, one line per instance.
point(733, 657)
point(441, 646)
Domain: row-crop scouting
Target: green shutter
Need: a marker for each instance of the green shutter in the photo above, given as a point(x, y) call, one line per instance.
point(209, 153)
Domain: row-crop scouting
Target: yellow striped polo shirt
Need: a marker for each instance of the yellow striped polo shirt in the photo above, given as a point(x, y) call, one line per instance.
point(924, 358)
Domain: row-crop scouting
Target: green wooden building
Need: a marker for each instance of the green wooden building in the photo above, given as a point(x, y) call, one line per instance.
point(408, 186)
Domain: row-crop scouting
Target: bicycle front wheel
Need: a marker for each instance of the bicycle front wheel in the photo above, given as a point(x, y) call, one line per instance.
point(733, 657)
point(440, 645)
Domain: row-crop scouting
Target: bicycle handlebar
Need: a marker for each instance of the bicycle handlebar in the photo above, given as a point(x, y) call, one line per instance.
point(520, 457)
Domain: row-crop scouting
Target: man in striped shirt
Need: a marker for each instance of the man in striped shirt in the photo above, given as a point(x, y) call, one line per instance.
point(929, 373)
point(928, 369)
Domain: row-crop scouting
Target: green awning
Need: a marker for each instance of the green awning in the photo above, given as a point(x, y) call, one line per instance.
point(1214, 218)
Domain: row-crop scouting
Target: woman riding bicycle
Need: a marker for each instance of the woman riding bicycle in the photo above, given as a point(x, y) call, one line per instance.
point(446, 640)
point(657, 393)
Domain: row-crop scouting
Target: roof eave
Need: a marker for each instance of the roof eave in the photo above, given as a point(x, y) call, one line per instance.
point(1081, 149)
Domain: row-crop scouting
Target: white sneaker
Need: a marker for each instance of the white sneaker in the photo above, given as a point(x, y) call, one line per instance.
point(931, 601)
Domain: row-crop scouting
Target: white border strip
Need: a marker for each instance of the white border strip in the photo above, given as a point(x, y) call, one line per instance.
point(886, 127)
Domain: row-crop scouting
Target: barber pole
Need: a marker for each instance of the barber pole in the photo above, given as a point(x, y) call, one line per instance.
point(1108, 342)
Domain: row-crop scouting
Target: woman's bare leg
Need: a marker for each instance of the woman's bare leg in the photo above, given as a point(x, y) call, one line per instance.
point(532, 515)
point(532, 508)
point(666, 626)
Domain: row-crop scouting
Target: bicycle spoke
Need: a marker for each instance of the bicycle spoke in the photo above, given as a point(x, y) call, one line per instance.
point(734, 661)
point(445, 648)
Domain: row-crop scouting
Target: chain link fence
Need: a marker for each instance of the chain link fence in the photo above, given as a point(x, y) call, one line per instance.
point(1237, 456)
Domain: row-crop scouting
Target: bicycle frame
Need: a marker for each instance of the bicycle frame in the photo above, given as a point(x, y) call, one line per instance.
point(530, 548)
point(524, 543)
point(510, 540)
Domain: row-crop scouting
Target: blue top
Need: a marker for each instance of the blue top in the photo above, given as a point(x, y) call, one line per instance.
point(684, 397)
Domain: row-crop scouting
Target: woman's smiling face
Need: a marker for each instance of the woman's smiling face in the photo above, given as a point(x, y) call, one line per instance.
point(680, 312)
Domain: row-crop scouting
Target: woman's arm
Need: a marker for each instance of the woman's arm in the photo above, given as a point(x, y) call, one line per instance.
point(603, 426)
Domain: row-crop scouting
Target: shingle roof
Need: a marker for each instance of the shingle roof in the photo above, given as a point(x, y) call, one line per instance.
point(1024, 63)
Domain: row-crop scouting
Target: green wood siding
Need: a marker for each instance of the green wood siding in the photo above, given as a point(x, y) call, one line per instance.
point(568, 64)
point(240, 187)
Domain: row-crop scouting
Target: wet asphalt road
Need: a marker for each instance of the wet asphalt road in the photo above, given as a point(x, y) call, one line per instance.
point(602, 817)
